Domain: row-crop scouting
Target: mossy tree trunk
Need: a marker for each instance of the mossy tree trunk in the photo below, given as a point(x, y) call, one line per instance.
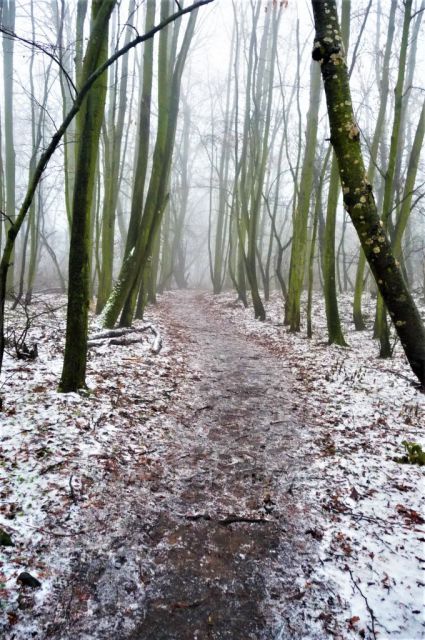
point(180, 208)
point(8, 20)
point(409, 186)
point(381, 325)
point(60, 14)
point(124, 295)
point(328, 50)
point(89, 124)
point(218, 263)
point(236, 259)
point(114, 136)
point(377, 137)
point(134, 289)
point(335, 334)
point(316, 218)
point(299, 241)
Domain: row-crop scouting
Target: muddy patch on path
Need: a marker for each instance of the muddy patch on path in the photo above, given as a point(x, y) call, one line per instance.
point(209, 533)
point(233, 513)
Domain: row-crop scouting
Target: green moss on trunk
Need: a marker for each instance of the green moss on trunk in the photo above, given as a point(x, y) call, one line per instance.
point(358, 197)
point(89, 123)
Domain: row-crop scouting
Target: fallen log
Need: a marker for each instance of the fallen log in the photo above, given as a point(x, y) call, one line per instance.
point(115, 333)
point(120, 337)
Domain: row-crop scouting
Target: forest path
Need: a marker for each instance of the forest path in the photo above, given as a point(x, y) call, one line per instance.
point(230, 540)
point(208, 530)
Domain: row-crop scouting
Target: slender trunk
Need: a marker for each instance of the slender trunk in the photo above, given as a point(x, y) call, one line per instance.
point(88, 128)
point(112, 177)
point(299, 242)
point(409, 186)
point(377, 137)
point(335, 334)
point(157, 195)
point(8, 18)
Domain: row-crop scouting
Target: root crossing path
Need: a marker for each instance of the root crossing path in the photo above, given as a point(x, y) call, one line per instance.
point(211, 539)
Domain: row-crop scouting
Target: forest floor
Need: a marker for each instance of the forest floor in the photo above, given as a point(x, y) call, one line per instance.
point(242, 483)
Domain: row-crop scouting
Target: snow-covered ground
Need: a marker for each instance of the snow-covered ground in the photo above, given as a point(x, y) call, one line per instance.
point(56, 449)
point(359, 409)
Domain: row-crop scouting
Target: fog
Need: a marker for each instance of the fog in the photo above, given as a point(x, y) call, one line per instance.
point(41, 97)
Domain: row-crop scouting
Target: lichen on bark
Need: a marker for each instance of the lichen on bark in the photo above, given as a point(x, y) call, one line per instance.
point(358, 196)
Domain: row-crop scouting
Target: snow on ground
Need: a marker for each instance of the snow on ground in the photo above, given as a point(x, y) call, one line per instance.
point(56, 450)
point(359, 409)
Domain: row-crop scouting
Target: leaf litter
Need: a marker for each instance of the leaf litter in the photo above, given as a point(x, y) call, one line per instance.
point(321, 530)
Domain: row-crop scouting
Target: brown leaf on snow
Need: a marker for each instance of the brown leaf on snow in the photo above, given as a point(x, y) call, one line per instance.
point(12, 617)
point(39, 388)
point(402, 487)
point(410, 515)
point(334, 504)
point(352, 622)
point(317, 534)
point(386, 581)
point(354, 494)
point(325, 616)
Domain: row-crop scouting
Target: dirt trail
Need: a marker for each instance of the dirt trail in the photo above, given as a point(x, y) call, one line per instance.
point(221, 520)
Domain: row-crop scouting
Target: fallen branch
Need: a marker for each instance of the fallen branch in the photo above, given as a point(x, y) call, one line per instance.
point(116, 333)
point(124, 342)
point(231, 519)
point(157, 343)
point(188, 605)
point(196, 516)
point(118, 337)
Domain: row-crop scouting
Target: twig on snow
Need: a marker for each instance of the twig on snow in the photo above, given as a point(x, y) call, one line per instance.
point(123, 342)
point(368, 607)
point(233, 519)
point(60, 534)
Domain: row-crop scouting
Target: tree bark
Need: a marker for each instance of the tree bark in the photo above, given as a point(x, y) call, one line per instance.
point(328, 50)
point(89, 123)
point(377, 137)
point(299, 243)
point(8, 18)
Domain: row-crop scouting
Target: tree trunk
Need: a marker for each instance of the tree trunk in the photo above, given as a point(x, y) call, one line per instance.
point(156, 199)
point(377, 136)
point(116, 118)
point(299, 242)
point(8, 19)
point(88, 128)
point(381, 327)
point(358, 196)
